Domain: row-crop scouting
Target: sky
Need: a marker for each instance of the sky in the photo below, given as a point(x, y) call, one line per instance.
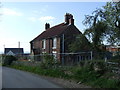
point(23, 21)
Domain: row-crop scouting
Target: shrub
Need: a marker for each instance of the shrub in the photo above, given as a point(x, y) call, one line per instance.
point(116, 57)
point(48, 61)
point(100, 67)
point(96, 65)
point(9, 59)
point(106, 83)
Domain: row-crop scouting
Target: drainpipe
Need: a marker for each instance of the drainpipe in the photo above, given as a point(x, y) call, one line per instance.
point(49, 46)
point(91, 54)
point(63, 49)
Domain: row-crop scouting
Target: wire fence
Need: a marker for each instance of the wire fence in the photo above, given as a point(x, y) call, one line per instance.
point(67, 58)
point(64, 58)
point(72, 58)
point(114, 67)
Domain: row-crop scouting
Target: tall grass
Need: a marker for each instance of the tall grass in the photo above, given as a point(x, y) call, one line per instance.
point(85, 74)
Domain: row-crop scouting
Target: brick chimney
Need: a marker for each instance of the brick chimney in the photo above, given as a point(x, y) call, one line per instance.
point(47, 25)
point(71, 21)
point(69, 18)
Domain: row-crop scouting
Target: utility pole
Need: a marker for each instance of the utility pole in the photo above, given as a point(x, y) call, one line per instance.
point(4, 46)
point(19, 44)
point(91, 54)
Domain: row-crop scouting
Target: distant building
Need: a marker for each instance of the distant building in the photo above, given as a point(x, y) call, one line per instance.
point(13, 51)
point(113, 49)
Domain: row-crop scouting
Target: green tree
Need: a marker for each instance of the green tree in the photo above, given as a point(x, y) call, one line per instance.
point(112, 17)
point(80, 44)
point(97, 34)
point(104, 24)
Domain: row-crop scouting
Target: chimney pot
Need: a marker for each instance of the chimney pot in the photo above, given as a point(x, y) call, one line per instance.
point(67, 17)
point(47, 25)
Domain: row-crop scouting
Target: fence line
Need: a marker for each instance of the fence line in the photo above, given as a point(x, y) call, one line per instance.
point(115, 67)
point(74, 57)
point(65, 57)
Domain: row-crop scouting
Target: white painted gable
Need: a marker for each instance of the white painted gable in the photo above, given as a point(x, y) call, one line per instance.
point(10, 53)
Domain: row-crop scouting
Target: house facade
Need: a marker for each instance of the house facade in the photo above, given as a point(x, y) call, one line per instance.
point(56, 40)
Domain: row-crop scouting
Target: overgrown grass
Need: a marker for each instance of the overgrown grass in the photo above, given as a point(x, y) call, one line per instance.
point(95, 79)
point(85, 74)
point(47, 72)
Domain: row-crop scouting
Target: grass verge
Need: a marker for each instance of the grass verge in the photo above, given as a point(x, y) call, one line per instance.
point(84, 75)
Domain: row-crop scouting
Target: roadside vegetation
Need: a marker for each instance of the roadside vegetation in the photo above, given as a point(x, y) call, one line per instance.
point(92, 74)
point(89, 72)
point(8, 59)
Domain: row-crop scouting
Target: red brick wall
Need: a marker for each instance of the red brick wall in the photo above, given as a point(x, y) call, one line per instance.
point(49, 48)
point(70, 36)
point(58, 48)
point(113, 49)
point(36, 44)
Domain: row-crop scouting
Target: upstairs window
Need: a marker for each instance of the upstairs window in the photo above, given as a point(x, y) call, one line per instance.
point(54, 43)
point(43, 44)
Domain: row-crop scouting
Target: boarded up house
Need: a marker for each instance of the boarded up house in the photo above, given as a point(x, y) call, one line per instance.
point(55, 40)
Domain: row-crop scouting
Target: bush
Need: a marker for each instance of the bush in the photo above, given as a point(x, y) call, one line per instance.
point(106, 83)
point(9, 59)
point(48, 61)
point(96, 65)
point(117, 57)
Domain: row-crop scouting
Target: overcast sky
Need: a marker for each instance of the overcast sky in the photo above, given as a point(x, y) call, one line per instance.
point(23, 21)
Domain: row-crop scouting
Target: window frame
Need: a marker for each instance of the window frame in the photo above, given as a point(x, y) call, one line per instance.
point(54, 43)
point(43, 43)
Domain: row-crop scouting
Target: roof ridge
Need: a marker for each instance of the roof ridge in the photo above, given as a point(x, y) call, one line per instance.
point(55, 26)
point(55, 30)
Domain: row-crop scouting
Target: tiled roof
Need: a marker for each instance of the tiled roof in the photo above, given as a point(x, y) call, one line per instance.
point(53, 31)
point(14, 50)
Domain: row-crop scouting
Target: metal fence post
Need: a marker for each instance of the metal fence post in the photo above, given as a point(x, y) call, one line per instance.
point(91, 54)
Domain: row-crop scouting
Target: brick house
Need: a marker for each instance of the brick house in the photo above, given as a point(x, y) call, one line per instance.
point(55, 40)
